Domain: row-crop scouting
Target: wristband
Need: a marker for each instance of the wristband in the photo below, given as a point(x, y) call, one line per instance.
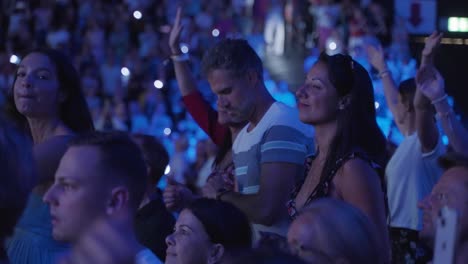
point(383, 73)
point(446, 115)
point(180, 57)
point(440, 99)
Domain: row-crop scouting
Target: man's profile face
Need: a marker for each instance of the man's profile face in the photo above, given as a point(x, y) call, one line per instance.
point(78, 195)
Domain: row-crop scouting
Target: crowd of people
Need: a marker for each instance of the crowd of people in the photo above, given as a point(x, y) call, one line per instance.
point(102, 101)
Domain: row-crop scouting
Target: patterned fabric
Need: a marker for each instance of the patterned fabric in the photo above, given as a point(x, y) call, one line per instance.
point(406, 247)
point(323, 187)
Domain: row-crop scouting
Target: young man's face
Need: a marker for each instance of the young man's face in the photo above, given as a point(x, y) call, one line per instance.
point(450, 191)
point(78, 195)
point(236, 96)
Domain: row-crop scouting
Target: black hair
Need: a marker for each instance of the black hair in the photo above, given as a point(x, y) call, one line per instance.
point(235, 55)
point(121, 161)
point(73, 111)
point(407, 90)
point(155, 155)
point(357, 129)
point(223, 222)
point(453, 159)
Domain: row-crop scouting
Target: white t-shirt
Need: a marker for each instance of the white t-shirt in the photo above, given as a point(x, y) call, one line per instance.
point(279, 137)
point(410, 176)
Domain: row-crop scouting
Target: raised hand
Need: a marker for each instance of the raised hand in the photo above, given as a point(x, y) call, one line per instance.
point(174, 36)
point(432, 42)
point(430, 83)
point(376, 57)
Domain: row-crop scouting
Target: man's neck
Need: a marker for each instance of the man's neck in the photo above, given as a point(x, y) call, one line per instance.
point(265, 100)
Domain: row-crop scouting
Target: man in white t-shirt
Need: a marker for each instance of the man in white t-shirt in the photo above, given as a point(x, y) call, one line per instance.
point(269, 152)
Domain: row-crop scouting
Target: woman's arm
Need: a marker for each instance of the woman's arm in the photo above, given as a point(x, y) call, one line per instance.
point(359, 184)
point(377, 59)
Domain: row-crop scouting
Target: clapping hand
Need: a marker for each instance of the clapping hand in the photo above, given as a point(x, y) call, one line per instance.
point(176, 195)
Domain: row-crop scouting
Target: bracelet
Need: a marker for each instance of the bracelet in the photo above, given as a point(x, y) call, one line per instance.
point(221, 192)
point(440, 99)
point(446, 115)
point(180, 57)
point(383, 73)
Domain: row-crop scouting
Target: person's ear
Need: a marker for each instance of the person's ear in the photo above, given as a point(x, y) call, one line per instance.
point(119, 200)
point(252, 77)
point(344, 102)
point(216, 253)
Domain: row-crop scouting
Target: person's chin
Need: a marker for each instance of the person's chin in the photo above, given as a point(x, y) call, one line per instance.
point(57, 235)
point(171, 258)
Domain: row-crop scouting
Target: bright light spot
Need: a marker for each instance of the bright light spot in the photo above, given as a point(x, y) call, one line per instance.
point(125, 71)
point(14, 59)
point(332, 45)
point(137, 15)
point(158, 84)
point(184, 48)
point(167, 131)
point(457, 24)
point(215, 32)
point(453, 24)
point(463, 24)
point(445, 140)
point(167, 170)
point(377, 105)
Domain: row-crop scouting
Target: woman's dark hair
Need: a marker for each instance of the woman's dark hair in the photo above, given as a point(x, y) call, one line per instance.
point(357, 129)
point(223, 222)
point(407, 90)
point(73, 111)
point(223, 150)
point(453, 159)
point(154, 154)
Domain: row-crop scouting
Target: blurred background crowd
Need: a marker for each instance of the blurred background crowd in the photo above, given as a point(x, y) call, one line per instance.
point(121, 51)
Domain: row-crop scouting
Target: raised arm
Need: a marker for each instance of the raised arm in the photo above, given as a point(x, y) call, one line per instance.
point(181, 66)
point(201, 111)
point(377, 60)
point(434, 89)
point(431, 44)
point(428, 133)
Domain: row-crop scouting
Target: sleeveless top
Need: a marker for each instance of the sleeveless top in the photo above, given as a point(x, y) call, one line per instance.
point(323, 187)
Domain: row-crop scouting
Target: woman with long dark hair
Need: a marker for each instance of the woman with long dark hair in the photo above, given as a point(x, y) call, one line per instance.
point(45, 101)
point(337, 99)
